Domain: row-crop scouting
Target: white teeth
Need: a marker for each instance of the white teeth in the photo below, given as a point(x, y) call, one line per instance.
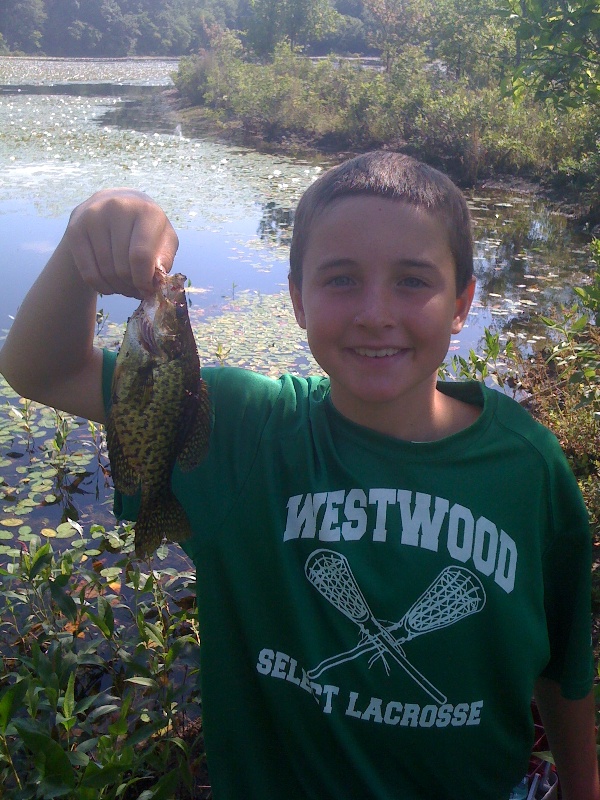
point(366, 351)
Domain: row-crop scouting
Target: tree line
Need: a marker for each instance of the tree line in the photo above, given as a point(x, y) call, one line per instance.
point(547, 45)
point(462, 33)
point(119, 28)
point(111, 28)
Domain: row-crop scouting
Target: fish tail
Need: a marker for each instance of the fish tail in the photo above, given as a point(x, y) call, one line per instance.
point(161, 516)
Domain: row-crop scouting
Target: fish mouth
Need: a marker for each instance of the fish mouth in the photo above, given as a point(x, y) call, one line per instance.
point(380, 352)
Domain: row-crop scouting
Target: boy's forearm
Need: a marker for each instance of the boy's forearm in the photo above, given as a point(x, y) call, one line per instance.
point(48, 352)
point(570, 729)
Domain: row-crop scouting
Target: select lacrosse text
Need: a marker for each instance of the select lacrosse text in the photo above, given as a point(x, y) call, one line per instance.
point(331, 699)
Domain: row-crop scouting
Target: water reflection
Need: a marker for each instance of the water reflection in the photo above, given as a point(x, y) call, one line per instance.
point(149, 113)
point(275, 226)
point(528, 259)
point(79, 89)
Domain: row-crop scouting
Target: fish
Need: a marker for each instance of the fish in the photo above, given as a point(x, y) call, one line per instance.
point(159, 414)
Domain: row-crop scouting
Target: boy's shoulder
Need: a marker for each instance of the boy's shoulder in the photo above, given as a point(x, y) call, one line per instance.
point(505, 416)
point(247, 386)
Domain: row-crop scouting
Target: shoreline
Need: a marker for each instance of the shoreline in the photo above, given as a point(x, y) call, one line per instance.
point(203, 122)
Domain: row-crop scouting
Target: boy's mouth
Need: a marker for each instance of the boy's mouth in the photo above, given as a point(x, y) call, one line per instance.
point(380, 353)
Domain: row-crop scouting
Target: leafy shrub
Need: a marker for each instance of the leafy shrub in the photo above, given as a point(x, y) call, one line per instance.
point(191, 77)
point(98, 694)
point(469, 132)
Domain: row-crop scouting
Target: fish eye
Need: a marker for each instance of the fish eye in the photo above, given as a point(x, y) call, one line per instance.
point(180, 311)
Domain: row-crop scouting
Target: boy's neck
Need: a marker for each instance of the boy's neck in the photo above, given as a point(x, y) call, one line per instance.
point(445, 416)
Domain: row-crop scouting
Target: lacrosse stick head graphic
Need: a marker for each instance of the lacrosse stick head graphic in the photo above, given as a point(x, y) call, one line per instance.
point(456, 593)
point(330, 573)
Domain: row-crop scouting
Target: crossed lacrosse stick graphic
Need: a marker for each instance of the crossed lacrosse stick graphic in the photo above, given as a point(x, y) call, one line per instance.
point(455, 594)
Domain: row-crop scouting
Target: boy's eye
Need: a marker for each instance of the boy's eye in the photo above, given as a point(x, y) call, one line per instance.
point(412, 282)
point(340, 280)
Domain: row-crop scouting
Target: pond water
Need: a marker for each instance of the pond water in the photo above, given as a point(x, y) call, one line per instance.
point(71, 126)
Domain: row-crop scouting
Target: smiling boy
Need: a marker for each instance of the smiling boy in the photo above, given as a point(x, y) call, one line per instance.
point(378, 299)
point(388, 567)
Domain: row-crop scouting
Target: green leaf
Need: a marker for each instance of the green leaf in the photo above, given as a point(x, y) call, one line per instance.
point(154, 633)
point(106, 613)
point(104, 619)
point(579, 324)
point(64, 601)
point(78, 758)
point(101, 711)
point(69, 699)
point(10, 701)
point(164, 789)
point(118, 728)
point(139, 680)
point(52, 762)
point(42, 558)
point(144, 732)
point(84, 704)
point(96, 777)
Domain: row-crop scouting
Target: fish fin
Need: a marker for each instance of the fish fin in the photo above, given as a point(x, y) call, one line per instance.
point(195, 445)
point(147, 337)
point(160, 516)
point(125, 479)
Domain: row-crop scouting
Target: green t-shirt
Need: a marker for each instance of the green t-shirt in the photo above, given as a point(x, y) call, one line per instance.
point(374, 612)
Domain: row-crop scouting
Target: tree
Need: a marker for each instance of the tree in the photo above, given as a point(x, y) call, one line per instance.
point(394, 24)
point(470, 39)
point(118, 31)
point(61, 15)
point(297, 21)
point(22, 24)
point(559, 50)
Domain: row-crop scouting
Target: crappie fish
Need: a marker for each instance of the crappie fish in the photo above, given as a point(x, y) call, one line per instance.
point(160, 412)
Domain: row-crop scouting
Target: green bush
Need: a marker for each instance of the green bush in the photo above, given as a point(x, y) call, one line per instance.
point(98, 694)
point(469, 132)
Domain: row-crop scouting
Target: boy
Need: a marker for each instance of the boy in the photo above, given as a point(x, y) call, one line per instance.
point(387, 567)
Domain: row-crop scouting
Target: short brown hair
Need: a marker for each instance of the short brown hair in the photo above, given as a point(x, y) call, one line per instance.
point(398, 177)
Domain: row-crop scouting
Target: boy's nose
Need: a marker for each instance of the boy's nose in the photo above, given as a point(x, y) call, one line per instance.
point(375, 310)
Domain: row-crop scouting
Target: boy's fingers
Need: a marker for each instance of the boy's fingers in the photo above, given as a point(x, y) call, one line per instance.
point(118, 238)
point(84, 257)
point(152, 246)
point(109, 244)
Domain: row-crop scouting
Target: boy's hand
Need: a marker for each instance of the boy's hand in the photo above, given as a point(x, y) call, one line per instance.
point(117, 239)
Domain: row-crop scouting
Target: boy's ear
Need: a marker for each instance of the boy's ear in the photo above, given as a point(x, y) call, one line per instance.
point(296, 295)
point(463, 304)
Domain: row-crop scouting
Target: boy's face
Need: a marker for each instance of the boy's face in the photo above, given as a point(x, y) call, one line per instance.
point(379, 305)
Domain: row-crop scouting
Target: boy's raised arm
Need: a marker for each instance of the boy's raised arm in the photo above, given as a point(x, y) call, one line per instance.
point(112, 245)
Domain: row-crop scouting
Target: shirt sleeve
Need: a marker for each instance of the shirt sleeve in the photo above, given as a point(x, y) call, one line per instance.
point(567, 586)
